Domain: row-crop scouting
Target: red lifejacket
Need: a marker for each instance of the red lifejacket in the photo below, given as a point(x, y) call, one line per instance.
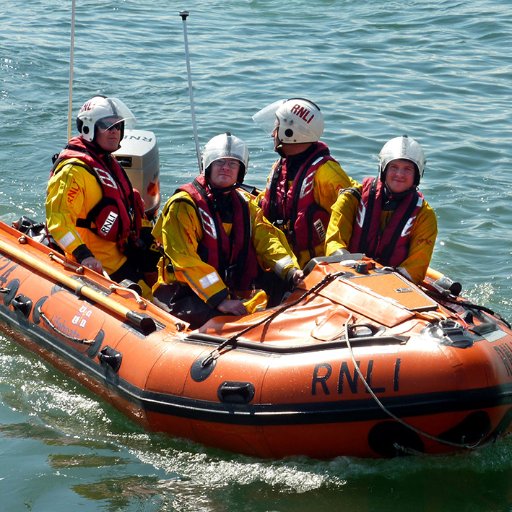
point(118, 215)
point(390, 247)
point(294, 209)
point(233, 256)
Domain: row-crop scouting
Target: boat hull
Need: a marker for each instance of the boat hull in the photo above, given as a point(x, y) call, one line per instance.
point(291, 385)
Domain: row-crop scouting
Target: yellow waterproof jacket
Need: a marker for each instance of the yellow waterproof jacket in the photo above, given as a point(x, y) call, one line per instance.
point(179, 230)
point(422, 236)
point(71, 193)
point(328, 180)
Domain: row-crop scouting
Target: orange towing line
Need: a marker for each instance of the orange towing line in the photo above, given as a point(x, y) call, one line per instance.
point(358, 362)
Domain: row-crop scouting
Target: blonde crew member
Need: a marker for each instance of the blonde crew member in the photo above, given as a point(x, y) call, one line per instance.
point(387, 218)
point(216, 241)
point(305, 181)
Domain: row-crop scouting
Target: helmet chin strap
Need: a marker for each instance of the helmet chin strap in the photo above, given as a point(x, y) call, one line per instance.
point(278, 147)
point(220, 196)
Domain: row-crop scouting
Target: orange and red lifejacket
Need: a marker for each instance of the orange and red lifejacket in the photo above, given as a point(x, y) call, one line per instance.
point(391, 246)
point(118, 215)
point(233, 256)
point(292, 208)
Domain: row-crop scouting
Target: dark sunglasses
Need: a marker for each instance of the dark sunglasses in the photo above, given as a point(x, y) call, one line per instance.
point(108, 125)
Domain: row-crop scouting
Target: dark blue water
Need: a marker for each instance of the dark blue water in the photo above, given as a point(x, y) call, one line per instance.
point(440, 71)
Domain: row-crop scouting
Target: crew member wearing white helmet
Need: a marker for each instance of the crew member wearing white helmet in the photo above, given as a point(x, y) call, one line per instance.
point(305, 181)
point(216, 241)
point(92, 210)
point(387, 218)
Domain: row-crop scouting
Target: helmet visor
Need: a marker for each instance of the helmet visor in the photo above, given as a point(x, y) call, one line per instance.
point(109, 123)
point(266, 117)
point(120, 112)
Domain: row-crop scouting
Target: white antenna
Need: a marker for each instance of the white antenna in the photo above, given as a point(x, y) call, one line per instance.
point(184, 15)
point(71, 65)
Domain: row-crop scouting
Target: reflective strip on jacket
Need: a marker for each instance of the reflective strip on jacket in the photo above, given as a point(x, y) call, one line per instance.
point(72, 192)
point(232, 254)
point(180, 230)
point(118, 214)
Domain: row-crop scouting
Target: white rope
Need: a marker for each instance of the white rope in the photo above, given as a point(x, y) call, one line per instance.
point(117, 288)
point(387, 411)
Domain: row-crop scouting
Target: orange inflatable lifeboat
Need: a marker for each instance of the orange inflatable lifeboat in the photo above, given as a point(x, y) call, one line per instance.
point(358, 362)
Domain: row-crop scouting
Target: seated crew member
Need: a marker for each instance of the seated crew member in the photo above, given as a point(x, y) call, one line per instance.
point(92, 210)
point(216, 241)
point(387, 218)
point(305, 181)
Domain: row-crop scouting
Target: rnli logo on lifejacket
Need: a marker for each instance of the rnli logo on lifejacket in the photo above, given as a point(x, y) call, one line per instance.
point(208, 224)
point(302, 112)
point(105, 178)
point(319, 228)
point(109, 222)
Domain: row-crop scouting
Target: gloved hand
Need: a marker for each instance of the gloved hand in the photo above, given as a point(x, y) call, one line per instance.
point(294, 277)
point(92, 263)
point(232, 307)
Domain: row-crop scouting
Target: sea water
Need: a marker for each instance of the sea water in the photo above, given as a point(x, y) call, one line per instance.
point(439, 71)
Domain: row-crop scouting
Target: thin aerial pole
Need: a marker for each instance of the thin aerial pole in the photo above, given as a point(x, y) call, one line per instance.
point(184, 15)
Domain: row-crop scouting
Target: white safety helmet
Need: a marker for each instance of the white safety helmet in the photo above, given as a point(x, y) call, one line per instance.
point(99, 108)
point(297, 120)
point(402, 148)
point(226, 145)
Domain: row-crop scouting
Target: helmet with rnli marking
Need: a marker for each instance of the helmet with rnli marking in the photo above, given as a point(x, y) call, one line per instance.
point(104, 112)
point(299, 120)
point(226, 145)
point(402, 148)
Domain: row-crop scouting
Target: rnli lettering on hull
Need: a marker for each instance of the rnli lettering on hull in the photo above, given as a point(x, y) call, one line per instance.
point(6, 267)
point(326, 381)
point(505, 352)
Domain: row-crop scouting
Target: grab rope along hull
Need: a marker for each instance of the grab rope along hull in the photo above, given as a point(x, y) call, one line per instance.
point(356, 362)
